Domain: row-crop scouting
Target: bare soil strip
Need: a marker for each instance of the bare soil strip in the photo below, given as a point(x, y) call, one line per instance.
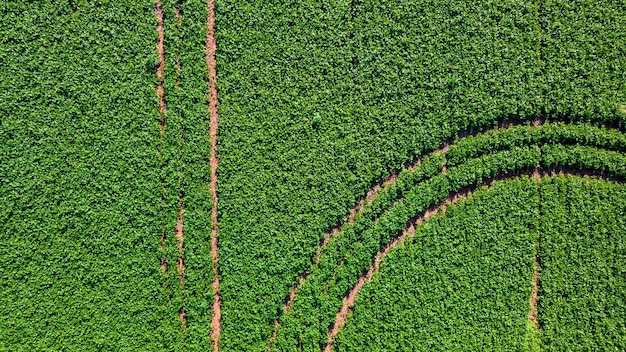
point(160, 91)
point(211, 49)
point(178, 232)
point(349, 299)
point(534, 295)
point(533, 316)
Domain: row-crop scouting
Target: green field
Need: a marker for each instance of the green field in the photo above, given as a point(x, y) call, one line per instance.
point(343, 126)
point(464, 281)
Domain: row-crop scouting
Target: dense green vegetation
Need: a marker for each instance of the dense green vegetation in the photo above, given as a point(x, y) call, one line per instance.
point(320, 99)
point(80, 187)
point(461, 284)
point(350, 253)
point(583, 59)
point(91, 183)
point(583, 265)
point(464, 281)
point(187, 170)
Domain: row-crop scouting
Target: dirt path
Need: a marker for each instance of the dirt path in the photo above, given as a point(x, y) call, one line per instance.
point(211, 49)
point(349, 299)
point(534, 295)
point(533, 317)
point(160, 93)
point(178, 232)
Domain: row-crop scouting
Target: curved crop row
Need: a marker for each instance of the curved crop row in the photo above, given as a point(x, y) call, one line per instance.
point(348, 255)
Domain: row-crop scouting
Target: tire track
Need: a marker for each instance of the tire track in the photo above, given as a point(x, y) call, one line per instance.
point(160, 93)
point(160, 68)
point(349, 299)
point(533, 316)
point(178, 231)
point(211, 49)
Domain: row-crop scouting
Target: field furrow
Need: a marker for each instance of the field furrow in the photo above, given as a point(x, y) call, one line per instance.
point(211, 49)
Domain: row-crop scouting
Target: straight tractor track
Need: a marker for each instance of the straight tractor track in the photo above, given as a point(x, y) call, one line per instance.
point(211, 49)
point(160, 92)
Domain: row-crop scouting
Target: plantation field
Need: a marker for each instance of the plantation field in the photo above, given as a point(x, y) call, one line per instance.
point(463, 281)
point(343, 175)
point(93, 176)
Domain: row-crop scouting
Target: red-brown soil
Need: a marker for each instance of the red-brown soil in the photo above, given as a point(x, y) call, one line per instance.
point(534, 295)
point(178, 232)
point(160, 92)
point(211, 49)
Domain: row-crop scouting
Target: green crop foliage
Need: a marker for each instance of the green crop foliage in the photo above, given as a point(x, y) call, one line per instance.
point(318, 100)
point(188, 170)
point(350, 253)
point(581, 306)
point(90, 183)
point(583, 58)
point(461, 284)
point(81, 186)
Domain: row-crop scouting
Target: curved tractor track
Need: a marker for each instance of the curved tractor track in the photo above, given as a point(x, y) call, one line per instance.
point(465, 151)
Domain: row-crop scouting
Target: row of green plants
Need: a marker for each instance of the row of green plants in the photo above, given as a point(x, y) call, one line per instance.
point(81, 185)
point(463, 281)
point(500, 139)
point(320, 99)
point(349, 254)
